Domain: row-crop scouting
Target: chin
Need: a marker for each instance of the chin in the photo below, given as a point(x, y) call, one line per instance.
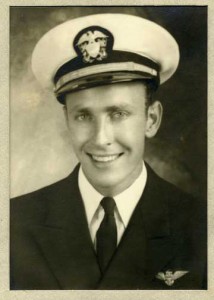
point(108, 186)
point(105, 182)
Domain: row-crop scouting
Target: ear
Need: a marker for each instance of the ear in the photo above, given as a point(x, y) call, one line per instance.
point(154, 117)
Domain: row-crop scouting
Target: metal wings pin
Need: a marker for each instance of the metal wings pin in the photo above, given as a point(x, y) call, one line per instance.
point(169, 277)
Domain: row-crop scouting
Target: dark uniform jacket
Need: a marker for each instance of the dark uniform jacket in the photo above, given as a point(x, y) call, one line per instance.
point(51, 247)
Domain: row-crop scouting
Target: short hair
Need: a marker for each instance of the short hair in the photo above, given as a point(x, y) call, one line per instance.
point(151, 88)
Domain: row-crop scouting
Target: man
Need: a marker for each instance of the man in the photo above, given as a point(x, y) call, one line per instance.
point(113, 223)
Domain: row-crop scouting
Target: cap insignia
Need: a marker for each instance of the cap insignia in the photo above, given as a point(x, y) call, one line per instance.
point(93, 44)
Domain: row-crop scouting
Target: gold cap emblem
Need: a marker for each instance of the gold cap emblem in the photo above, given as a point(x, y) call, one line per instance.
point(93, 44)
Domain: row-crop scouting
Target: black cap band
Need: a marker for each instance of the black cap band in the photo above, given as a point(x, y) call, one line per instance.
point(115, 57)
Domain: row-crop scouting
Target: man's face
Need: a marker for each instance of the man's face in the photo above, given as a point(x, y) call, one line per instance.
point(107, 126)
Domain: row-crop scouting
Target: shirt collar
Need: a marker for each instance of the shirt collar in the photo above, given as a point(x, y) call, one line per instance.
point(91, 197)
point(125, 201)
point(128, 199)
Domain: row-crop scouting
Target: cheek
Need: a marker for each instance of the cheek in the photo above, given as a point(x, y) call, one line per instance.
point(132, 133)
point(79, 134)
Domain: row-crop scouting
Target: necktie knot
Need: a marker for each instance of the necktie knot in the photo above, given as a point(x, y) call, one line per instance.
point(108, 205)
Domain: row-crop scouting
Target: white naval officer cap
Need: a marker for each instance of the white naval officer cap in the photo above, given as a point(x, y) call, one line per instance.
point(102, 49)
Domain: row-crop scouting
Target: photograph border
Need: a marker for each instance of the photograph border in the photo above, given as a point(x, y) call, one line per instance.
point(5, 293)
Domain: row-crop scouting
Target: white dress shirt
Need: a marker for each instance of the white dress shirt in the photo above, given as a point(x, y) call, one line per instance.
point(125, 203)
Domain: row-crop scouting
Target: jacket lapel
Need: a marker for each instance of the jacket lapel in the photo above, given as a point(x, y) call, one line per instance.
point(64, 238)
point(146, 246)
point(155, 214)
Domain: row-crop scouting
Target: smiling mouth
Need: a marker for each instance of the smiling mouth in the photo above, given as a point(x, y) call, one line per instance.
point(104, 158)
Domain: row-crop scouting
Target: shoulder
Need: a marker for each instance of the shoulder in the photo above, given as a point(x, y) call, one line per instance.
point(34, 206)
point(167, 189)
point(182, 206)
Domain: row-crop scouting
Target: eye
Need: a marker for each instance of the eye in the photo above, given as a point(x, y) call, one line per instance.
point(120, 115)
point(82, 117)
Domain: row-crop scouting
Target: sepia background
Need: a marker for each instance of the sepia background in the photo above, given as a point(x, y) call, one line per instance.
point(40, 145)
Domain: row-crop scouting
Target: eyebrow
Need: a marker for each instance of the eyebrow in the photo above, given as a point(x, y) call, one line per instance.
point(78, 108)
point(118, 107)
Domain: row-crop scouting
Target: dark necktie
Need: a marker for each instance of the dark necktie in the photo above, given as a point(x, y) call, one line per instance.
point(106, 234)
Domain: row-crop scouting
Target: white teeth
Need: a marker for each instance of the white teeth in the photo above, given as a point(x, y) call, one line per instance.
point(104, 158)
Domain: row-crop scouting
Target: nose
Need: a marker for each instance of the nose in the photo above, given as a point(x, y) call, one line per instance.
point(103, 132)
